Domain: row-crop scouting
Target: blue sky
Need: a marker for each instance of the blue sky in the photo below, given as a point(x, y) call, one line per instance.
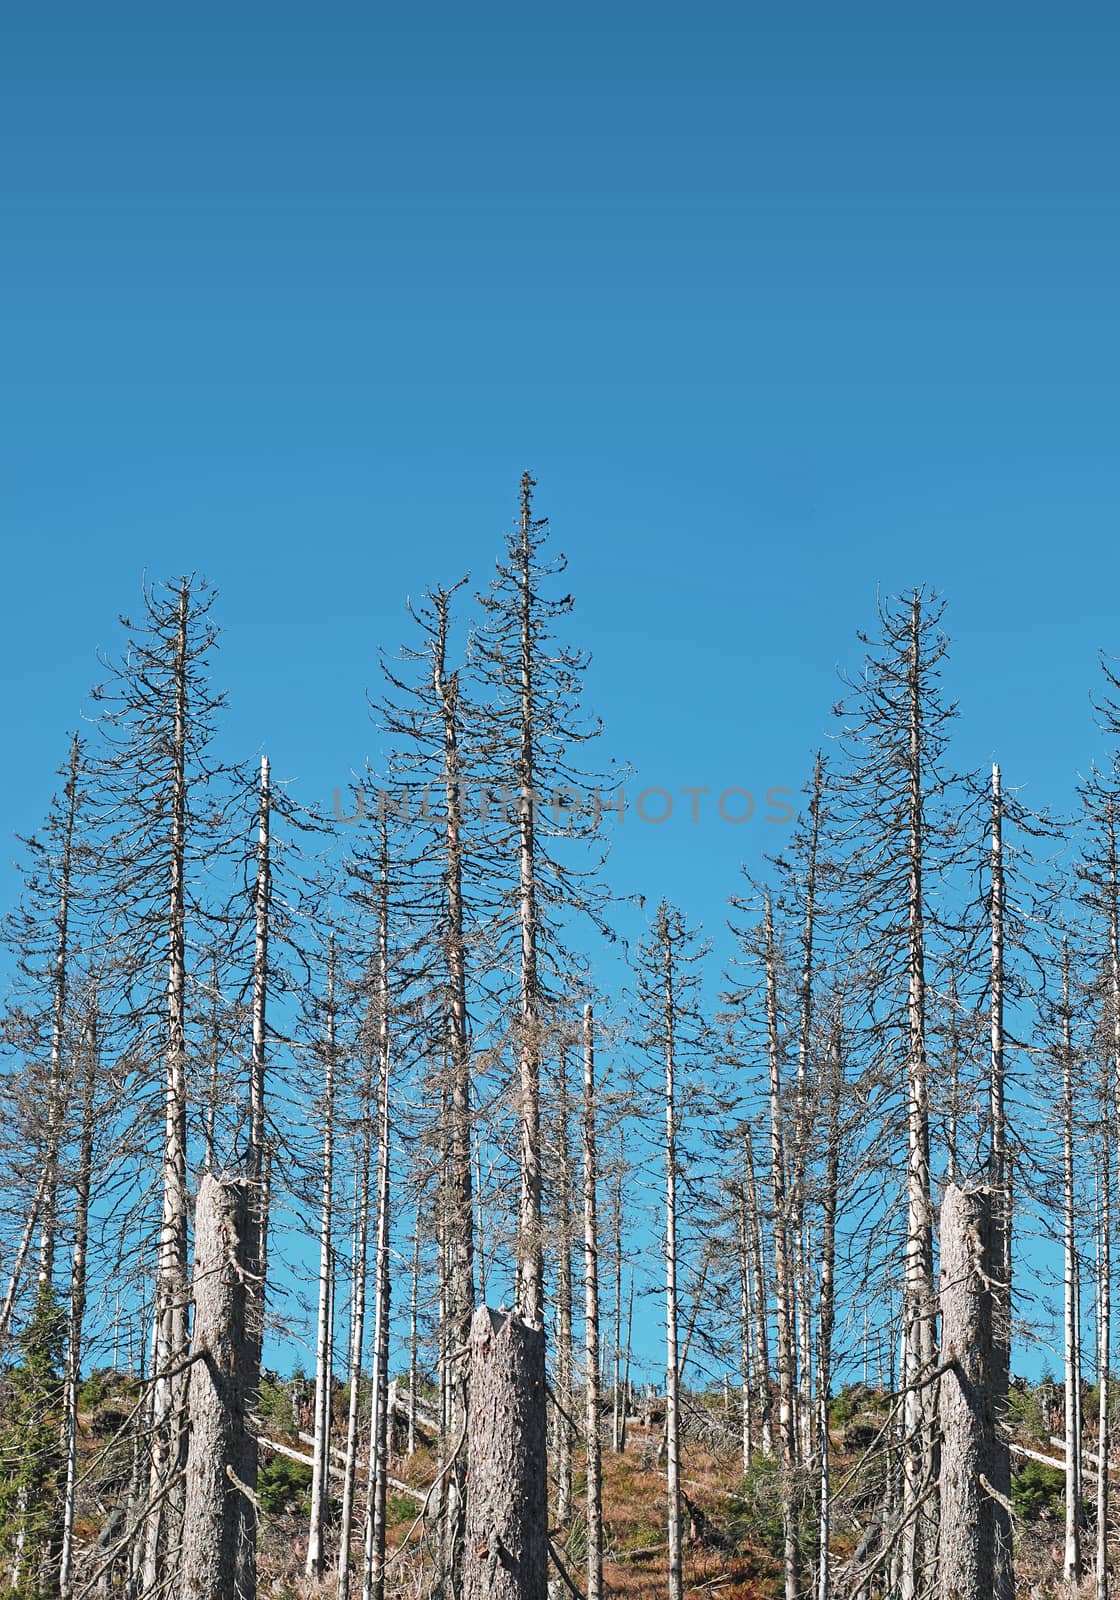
point(780, 304)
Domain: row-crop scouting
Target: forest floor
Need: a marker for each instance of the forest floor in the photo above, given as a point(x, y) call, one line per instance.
point(732, 1524)
point(718, 1561)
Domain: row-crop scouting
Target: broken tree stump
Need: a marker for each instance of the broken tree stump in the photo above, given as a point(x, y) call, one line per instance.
point(506, 1547)
point(214, 1567)
point(966, 1543)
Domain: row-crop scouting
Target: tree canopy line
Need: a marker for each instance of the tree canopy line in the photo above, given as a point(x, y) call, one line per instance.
point(382, 1090)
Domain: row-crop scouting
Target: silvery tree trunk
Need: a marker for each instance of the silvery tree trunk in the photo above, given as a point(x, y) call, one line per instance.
point(798, 1207)
point(999, 1467)
point(672, 1357)
point(164, 1525)
point(1104, 1347)
point(506, 1546)
point(966, 1544)
point(746, 1331)
point(59, 984)
point(1072, 1319)
point(74, 1347)
point(529, 1244)
point(826, 1307)
point(761, 1331)
point(919, 1467)
point(359, 1259)
point(211, 1566)
point(457, 1201)
point(592, 1375)
point(323, 1353)
point(562, 1428)
point(373, 1586)
point(787, 1432)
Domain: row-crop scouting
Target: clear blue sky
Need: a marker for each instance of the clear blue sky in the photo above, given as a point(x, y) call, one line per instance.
point(779, 303)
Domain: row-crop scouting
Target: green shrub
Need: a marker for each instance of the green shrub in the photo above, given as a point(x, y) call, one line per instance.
point(1037, 1490)
point(284, 1485)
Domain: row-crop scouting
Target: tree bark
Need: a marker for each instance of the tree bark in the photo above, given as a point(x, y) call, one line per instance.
point(672, 1359)
point(787, 1432)
point(564, 1361)
point(211, 1569)
point(1072, 1560)
point(373, 1587)
point(592, 1376)
point(919, 1470)
point(164, 1526)
point(323, 1362)
point(966, 1546)
point(78, 1279)
point(506, 1547)
point(999, 1466)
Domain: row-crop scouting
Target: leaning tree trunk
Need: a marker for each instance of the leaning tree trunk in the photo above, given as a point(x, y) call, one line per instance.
point(506, 1549)
point(211, 1568)
point(966, 1543)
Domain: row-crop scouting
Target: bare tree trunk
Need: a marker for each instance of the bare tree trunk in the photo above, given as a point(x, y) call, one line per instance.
point(1104, 1347)
point(458, 1207)
point(414, 1327)
point(802, 1245)
point(919, 1468)
point(211, 1568)
point(373, 1587)
point(592, 1377)
point(164, 1525)
point(357, 1342)
point(323, 1363)
point(564, 1361)
point(529, 1258)
point(672, 1359)
point(506, 1547)
point(1072, 1561)
point(618, 1412)
point(791, 1558)
point(55, 1108)
point(74, 1347)
point(746, 1332)
point(761, 1333)
point(999, 1466)
point(826, 1308)
point(966, 1550)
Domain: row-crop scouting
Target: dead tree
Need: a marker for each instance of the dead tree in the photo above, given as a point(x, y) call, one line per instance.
point(373, 1583)
point(506, 1549)
point(966, 1544)
point(213, 1524)
point(999, 1470)
point(1071, 1296)
point(533, 722)
point(592, 1374)
point(324, 1323)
